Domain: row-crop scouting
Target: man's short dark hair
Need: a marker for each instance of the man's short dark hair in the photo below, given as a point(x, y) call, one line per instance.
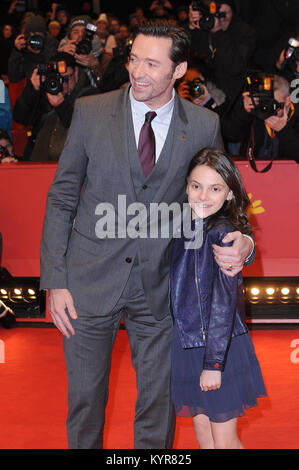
point(180, 50)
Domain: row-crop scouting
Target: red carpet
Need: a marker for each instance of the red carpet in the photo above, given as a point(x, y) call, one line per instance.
point(33, 394)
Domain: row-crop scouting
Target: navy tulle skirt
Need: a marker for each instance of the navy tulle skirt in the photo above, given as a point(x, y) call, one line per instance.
point(242, 382)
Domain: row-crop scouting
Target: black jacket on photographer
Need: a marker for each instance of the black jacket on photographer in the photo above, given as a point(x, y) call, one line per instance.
point(22, 62)
point(49, 124)
point(225, 53)
point(244, 127)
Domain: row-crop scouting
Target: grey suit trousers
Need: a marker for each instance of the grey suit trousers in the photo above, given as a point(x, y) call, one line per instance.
point(88, 361)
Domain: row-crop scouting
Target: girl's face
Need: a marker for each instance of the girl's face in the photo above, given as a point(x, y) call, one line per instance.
point(207, 191)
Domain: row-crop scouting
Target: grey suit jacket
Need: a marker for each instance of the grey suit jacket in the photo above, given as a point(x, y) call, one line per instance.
point(94, 168)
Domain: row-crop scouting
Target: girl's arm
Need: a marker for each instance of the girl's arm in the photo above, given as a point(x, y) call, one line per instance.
point(222, 317)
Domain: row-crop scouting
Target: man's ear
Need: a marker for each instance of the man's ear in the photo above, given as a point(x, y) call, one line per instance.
point(180, 70)
point(288, 100)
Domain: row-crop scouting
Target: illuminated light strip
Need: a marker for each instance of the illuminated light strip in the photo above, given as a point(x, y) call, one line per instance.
point(283, 320)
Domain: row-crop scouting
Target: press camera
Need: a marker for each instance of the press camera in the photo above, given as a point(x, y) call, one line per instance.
point(195, 87)
point(260, 86)
point(53, 72)
point(208, 14)
point(36, 42)
point(3, 152)
point(85, 46)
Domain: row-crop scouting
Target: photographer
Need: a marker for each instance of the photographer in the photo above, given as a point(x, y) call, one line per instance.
point(6, 46)
point(7, 154)
point(50, 113)
point(31, 48)
point(87, 51)
point(201, 91)
point(267, 127)
point(286, 58)
point(106, 37)
point(5, 108)
point(222, 41)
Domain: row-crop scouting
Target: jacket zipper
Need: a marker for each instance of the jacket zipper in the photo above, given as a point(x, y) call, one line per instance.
point(198, 299)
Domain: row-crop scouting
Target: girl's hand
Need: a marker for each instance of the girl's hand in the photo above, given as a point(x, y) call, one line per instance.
point(210, 380)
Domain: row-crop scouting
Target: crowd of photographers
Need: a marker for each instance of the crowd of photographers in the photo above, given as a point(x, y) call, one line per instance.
point(244, 65)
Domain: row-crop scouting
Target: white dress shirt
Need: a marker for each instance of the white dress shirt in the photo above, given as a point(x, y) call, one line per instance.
point(160, 124)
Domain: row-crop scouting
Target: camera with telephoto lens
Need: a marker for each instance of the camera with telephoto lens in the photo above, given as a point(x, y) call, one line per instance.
point(3, 152)
point(53, 72)
point(36, 42)
point(260, 86)
point(195, 87)
point(85, 46)
point(208, 14)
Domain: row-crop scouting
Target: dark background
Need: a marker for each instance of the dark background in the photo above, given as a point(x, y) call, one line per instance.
point(121, 9)
point(125, 8)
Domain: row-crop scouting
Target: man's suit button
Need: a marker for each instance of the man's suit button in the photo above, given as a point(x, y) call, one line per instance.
point(144, 186)
point(129, 260)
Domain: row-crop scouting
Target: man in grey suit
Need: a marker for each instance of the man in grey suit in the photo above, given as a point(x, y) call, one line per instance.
point(93, 281)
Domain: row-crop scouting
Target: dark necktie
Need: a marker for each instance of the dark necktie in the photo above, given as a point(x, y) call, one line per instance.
point(147, 144)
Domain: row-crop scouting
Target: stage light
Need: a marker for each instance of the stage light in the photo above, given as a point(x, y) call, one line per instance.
point(15, 295)
point(253, 295)
point(23, 296)
point(29, 295)
point(272, 300)
point(255, 291)
point(285, 291)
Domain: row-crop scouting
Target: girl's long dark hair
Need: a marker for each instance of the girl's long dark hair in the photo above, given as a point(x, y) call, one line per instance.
point(234, 210)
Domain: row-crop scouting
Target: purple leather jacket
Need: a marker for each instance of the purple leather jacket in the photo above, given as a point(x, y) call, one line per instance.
point(208, 306)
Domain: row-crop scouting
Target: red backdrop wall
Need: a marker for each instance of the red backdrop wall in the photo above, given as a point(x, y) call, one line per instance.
point(274, 207)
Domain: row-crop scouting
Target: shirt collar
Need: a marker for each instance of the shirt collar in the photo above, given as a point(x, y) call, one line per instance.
point(140, 108)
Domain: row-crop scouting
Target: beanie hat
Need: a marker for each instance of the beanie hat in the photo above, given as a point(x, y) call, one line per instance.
point(103, 17)
point(35, 24)
point(79, 21)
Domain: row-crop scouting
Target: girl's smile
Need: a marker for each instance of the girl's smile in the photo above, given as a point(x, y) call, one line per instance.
point(207, 191)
